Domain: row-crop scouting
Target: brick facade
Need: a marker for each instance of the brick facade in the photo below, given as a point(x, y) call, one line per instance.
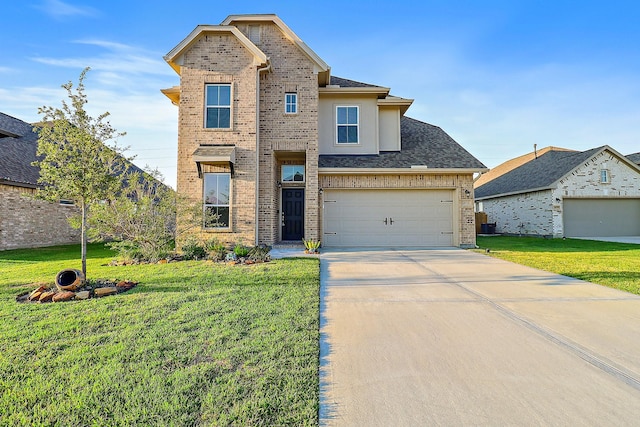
point(264, 135)
point(220, 58)
point(28, 223)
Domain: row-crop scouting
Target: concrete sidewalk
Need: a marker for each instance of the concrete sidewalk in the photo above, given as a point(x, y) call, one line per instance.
point(452, 337)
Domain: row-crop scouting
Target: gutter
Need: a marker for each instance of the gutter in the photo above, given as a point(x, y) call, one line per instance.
point(514, 193)
point(266, 68)
point(398, 171)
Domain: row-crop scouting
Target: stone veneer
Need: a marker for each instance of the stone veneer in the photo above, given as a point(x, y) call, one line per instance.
point(540, 213)
point(29, 223)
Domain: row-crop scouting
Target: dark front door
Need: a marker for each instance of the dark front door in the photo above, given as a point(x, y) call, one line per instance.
point(292, 213)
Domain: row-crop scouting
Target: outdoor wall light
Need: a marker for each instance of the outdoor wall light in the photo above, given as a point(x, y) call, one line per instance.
point(320, 190)
point(279, 184)
point(467, 192)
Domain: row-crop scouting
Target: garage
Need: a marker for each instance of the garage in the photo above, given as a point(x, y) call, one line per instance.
point(601, 217)
point(391, 218)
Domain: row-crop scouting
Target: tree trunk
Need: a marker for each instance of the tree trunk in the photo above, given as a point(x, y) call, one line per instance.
point(84, 239)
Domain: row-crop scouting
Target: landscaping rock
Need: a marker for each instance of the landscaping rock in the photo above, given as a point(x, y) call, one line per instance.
point(35, 294)
point(125, 285)
point(82, 295)
point(102, 292)
point(46, 296)
point(63, 296)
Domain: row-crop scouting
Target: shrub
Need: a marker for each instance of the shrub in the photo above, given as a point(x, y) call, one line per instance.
point(311, 245)
point(241, 251)
point(259, 253)
point(216, 251)
point(192, 249)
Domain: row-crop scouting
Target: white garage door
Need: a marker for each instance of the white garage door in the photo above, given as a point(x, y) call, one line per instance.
point(388, 218)
point(601, 217)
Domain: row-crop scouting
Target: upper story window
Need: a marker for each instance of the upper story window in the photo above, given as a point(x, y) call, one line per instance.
point(347, 119)
point(292, 173)
point(291, 103)
point(218, 106)
point(217, 195)
point(604, 176)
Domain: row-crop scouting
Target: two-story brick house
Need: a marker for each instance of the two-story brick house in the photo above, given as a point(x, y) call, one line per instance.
point(277, 149)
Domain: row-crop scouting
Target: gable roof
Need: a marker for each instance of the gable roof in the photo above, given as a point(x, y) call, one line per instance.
point(511, 164)
point(537, 173)
point(174, 57)
point(321, 67)
point(635, 158)
point(17, 152)
point(424, 147)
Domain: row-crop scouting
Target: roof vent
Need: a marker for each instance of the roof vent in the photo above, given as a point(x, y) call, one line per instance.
point(254, 33)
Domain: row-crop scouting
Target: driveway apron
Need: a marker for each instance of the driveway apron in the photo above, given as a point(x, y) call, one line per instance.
point(453, 337)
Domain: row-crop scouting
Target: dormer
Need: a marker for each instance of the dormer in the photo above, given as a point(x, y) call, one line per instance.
point(358, 118)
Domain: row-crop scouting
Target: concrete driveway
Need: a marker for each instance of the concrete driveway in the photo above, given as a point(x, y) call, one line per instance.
point(452, 337)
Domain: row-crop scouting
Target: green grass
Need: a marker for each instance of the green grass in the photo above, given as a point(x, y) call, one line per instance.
point(616, 265)
point(194, 343)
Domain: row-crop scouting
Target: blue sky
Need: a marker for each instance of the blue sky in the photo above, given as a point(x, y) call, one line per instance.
point(498, 76)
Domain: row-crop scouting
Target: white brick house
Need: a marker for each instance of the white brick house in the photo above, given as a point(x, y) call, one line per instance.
point(556, 192)
point(279, 149)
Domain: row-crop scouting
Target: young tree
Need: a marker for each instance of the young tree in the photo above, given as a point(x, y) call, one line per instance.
point(75, 161)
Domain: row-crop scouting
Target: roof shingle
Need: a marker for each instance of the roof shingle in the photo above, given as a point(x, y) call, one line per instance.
point(17, 153)
point(422, 144)
point(635, 158)
point(540, 172)
point(339, 81)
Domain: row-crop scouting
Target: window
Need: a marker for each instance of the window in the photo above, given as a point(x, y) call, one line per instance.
point(604, 176)
point(291, 103)
point(218, 106)
point(217, 190)
point(347, 125)
point(292, 173)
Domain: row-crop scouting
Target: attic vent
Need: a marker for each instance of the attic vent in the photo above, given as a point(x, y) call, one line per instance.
point(254, 33)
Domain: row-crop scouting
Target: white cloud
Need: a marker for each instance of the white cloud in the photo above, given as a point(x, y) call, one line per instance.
point(59, 9)
point(125, 81)
point(117, 59)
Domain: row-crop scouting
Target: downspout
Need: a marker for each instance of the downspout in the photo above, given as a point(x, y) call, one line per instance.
point(266, 68)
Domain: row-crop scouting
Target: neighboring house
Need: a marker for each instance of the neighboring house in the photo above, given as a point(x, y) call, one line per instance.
point(280, 150)
point(24, 221)
point(555, 192)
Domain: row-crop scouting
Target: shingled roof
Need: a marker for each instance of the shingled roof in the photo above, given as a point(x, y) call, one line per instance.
point(422, 144)
point(635, 158)
point(18, 143)
point(18, 147)
point(538, 173)
point(339, 81)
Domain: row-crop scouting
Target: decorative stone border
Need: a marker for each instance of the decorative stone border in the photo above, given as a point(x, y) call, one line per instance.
point(48, 293)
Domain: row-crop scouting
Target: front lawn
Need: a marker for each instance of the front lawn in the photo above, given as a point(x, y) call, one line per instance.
point(616, 265)
point(195, 343)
